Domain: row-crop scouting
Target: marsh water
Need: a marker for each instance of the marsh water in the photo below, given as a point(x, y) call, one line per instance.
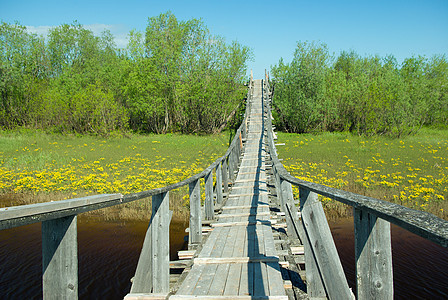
point(108, 253)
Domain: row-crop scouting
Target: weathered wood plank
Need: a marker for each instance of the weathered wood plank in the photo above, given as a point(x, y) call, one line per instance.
point(218, 188)
point(373, 257)
point(152, 274)
point(235, 260)
point(209, 205)
point(195, 235)
point(323, 246)
point(60, 258)
point(33, 213)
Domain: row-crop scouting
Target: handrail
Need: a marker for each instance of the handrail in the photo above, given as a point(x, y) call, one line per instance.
point(421, 223)
point(372, 218)
point(59, 224)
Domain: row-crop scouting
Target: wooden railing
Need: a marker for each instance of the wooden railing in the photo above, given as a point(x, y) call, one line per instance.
point(59, 224)
point(372, 218)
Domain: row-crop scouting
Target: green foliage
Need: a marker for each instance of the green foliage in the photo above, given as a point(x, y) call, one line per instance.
point(368, 96)
point(175, 78)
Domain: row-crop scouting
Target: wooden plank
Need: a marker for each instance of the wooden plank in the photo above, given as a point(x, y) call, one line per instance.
point(233, 281)
point(32, 213)
point(206, 279)
point(219, 280)
point(246, 207)
point(240, 223)
point(195, 236)
point(249, 214)
point(235, 260)
point(218, 172)
point(224, 297)
point(225, 177)
point(254, 180)
point(260, 283)
point(248, 194)
point(209, 205)
point(373, 257)
point(323, 247)
point(190, 281)
point(60, 258)
point(152, 274)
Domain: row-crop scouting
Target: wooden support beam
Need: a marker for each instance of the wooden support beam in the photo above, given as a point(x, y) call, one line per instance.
point(152, 274)
point(218, 187)
point(225, 176)
point(323, 247)
point(209, 205)
point(373, 256)
point(60, 258)
point(195, 236)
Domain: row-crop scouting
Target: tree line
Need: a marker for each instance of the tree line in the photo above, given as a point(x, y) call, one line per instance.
point(317, 91)
point(175, 77)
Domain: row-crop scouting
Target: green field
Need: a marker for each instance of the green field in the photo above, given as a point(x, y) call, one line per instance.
point(412, 171)
point(38, 167)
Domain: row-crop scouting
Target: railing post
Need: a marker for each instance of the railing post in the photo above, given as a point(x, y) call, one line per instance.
point(60, 258)
point(288, 198)
point(218, 173)
point(373, 256)
point(235, 161)
point(225, 176)
point(195, 235)
point(315, 285)
point(322, 245)
point(231, 166)
point(209, 207)
point(153, 269)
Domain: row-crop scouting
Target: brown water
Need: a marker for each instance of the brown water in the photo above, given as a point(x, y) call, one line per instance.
point(108, 255)
point(420, 267)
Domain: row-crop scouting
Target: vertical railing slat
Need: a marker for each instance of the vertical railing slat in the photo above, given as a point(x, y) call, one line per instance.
point(209, 205)
point(373, 255)
point(225, 176)
point(218, 172)
point(152, 274)
point(288, 198)
point(322, 244)
point(315, 285)
point(195, 235)
point(60, 258)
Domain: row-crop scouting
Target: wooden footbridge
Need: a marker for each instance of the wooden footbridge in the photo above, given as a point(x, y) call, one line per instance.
point(258, 244)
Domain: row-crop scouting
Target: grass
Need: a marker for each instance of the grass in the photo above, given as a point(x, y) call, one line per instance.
point(412, 171)
point(39, 167)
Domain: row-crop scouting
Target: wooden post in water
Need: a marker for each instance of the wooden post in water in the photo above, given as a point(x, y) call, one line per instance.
point(195, 235)
point(153, 269)
point(218, 172)
point(225, 176)
point(209, 207)
point(373, 256)
point(60, 258)
point(323, 247)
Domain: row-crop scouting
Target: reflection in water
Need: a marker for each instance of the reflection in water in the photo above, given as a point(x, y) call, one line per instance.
point(108, 255)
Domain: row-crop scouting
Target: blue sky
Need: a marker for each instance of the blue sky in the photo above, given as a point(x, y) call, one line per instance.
point(270, 28)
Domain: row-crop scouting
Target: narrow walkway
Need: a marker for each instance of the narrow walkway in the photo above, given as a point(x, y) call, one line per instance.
point(238, 260)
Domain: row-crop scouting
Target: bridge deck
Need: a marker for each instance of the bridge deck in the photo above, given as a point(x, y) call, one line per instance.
point(239, 260)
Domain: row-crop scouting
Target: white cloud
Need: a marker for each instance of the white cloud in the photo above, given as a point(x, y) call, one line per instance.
point(40, 30)
point(120, 32)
